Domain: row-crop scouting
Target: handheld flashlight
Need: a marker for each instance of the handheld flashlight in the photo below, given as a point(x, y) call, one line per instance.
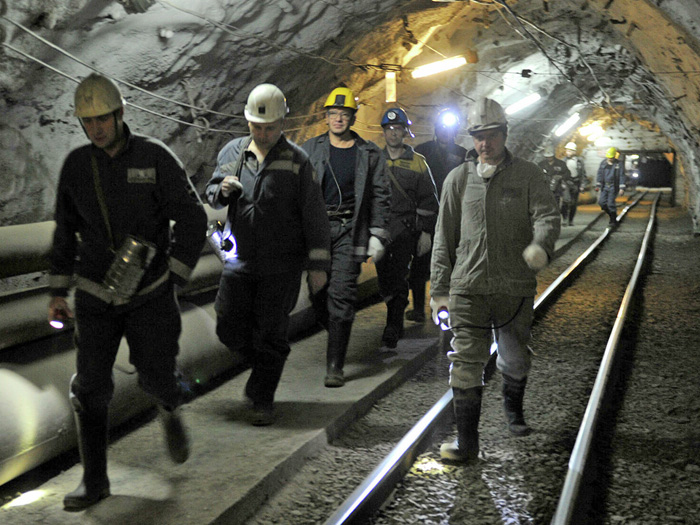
point(444, 318)
point(59, 320)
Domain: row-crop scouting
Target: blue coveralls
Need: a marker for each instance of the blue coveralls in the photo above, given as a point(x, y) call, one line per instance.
point(610, 180)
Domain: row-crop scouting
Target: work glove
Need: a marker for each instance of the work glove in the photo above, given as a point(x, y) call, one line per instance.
point(440, 311)
point(230, 185)
point(535, 257)
point(424, 244)
point(375, 249)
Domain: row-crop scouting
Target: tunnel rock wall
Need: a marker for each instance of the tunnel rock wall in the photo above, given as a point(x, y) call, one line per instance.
point(640, 55)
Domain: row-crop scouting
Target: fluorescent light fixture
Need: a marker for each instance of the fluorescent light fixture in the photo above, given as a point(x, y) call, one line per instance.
point(438, 67)
point(390, 86)
point(567, 125)
point(523, 103)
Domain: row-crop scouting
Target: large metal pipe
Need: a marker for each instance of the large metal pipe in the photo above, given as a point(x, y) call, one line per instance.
point(37, 362)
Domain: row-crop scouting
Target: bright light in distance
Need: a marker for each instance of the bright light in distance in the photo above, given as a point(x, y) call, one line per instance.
point(438, 67)
point(602, 141)
point(591, 129)
point(566, 126)
point(56, 324)
point(26, 499)
point(523, 103)
point(595, 136)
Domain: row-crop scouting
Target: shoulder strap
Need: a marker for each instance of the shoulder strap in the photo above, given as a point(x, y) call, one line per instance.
point(398, 186)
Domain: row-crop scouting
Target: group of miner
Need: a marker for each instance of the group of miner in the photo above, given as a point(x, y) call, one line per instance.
point(130, 227)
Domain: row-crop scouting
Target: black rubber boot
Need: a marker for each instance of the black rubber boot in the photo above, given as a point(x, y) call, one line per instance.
point(394, 324)
point(338, 338)
point(177, 440)
point(467, 407)
point(513, 393)
point(417, 315)
point(92, 442)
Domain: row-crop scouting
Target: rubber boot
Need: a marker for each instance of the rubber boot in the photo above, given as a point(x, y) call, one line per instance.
point(417, 315)
point(177, 440)
point(513, 393)
point(394, 324)
point(613, 218)
point(467, 409)
point(92, 443)
point(338, 338)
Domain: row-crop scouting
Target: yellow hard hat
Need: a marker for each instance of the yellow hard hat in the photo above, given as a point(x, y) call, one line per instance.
point(612, 151)
point(341, 97)
point(97, 95)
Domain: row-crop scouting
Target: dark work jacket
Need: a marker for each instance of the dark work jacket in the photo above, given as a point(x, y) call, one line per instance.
point(610, 175)
point(372, 193)
point(418, 211)
point(279, 220)
point(441, 160)
point(145, 188)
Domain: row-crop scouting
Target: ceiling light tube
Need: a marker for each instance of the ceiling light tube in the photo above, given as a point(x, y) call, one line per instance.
point(438, 67)
point(523, 103)
point(390, 86)
point(567, 125)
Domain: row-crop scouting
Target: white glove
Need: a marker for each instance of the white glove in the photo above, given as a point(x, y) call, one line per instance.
point(424, 244)
point(437, 304)
point(375, 249)
point(229, 185)
point(535, 257)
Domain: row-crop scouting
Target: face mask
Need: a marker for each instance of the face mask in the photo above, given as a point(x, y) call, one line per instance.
point(485, 170)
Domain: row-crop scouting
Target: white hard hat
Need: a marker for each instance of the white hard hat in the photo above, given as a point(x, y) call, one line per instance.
point(97, 95)
point(570, 145)
point(486, 114)
point(548, 151)
point(266, 103)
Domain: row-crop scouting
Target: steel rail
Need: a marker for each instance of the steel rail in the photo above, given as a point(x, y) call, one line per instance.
point(570, 496)
point(367, 498)
point(544, 298)
point(376, 487)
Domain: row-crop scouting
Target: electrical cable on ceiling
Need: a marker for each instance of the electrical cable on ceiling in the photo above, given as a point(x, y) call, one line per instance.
point(141, 108)
point(124, 82)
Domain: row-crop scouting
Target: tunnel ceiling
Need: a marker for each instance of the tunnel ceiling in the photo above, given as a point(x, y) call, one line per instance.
point(187, 66)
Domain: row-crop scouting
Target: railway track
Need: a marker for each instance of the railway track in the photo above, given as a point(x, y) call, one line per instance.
point(504, 470)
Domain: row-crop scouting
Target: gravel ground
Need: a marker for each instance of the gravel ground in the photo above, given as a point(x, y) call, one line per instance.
point(654, 474)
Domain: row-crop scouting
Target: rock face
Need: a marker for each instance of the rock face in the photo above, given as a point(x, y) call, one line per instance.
point(186, 69)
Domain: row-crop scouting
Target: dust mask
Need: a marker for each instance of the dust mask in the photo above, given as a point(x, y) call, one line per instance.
point(485, 171)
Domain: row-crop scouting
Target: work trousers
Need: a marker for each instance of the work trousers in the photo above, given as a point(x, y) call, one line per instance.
point(342, 284)
point(393, 268)
point(472, 318)
point(252, 317)
point(151, 329)
point(568, 211)
point(606, 199)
